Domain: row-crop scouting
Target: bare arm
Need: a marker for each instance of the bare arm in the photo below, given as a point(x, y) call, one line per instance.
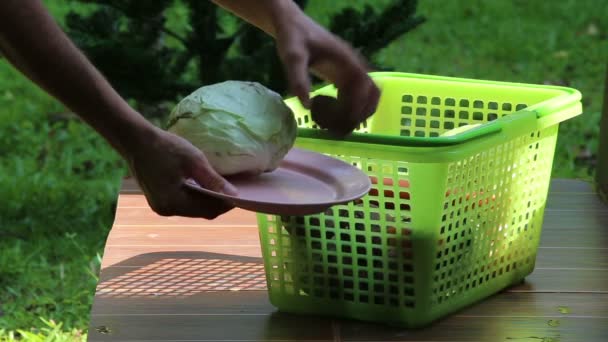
point(37, 46)
point(262, 13)
point(34, 43)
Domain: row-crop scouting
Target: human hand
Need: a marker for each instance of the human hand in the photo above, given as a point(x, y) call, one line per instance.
point(303, 44)
point(160, 160)
point(163, 162)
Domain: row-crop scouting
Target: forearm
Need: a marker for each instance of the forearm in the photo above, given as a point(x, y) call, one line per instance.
point(277, 17)
point(265, 14)
point(34, 43)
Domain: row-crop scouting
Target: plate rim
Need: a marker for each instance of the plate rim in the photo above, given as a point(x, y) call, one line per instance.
point(190, 183)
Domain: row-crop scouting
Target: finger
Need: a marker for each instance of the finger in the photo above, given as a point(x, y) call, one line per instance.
point(295, 61)
point(338, 63)
point(352, 101)
point(357, 94)
point(202, 173)
point(190, 203)
point(325, 112)
point(355, 104)
point(337, 116)
point(180, 200)
point(360, 97)
point(373, 99)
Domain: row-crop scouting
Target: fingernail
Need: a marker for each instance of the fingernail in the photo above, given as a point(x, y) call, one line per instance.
point(229, 189)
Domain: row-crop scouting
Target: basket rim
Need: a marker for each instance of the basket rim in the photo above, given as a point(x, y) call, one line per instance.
point(561, 107)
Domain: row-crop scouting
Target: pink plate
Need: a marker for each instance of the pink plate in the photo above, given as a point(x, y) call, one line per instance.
point(304, 183)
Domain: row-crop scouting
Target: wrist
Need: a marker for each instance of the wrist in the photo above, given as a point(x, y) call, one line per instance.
point(131, 133)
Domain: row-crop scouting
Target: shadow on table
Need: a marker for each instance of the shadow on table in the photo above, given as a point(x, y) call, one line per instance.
point(200, 295)
point(180, 274)
point(194, 293)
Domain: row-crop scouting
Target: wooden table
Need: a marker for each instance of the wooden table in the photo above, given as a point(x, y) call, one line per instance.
point(182, 279)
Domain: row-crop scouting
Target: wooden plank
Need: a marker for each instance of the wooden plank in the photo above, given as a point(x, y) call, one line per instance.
point(564, 280)
point(125, 283)
point(564, 220)
point(569, 310)
point(522, 304)
point(574, 236)
point(583, 258)
point(560, 185)
point(266, 327)
point(286, 327)
point(184, 236)
point(575, 202)
point(207, 302)
point(484, 328)
point(507, 304)
point(129, 255)
point(165, 270)
point(158, 281)
point(129, 216)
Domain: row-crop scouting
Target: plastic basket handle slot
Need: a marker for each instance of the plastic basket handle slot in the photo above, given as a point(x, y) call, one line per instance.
point(511, 125)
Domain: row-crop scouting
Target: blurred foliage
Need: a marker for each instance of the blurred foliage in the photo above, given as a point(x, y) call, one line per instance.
point(50, 332)
point(58, 184)
point(133, 44)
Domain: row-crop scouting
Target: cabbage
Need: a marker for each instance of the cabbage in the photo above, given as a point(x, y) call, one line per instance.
point(242, 127)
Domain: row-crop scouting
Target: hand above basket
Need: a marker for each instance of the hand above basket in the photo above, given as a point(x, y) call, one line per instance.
point(303, 44)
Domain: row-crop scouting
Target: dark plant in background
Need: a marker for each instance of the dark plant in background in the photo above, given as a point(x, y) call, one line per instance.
point(126, 40)
point(370, 31)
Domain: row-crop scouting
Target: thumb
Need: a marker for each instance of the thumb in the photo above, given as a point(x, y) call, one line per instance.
point(208, 178)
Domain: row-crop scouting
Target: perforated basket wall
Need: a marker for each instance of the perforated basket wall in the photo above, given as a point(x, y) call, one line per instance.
point(431, 236)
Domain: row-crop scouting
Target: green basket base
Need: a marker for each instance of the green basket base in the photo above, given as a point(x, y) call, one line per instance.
point(381, 314)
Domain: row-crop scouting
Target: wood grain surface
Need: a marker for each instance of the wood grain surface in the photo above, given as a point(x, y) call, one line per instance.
point(184, 279)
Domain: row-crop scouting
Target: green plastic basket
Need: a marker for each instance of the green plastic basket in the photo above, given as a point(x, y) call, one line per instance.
point(449, 220)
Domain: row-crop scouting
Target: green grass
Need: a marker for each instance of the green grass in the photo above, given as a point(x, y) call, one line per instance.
point(59, 179)
point(58, 185)
point(51, 332)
